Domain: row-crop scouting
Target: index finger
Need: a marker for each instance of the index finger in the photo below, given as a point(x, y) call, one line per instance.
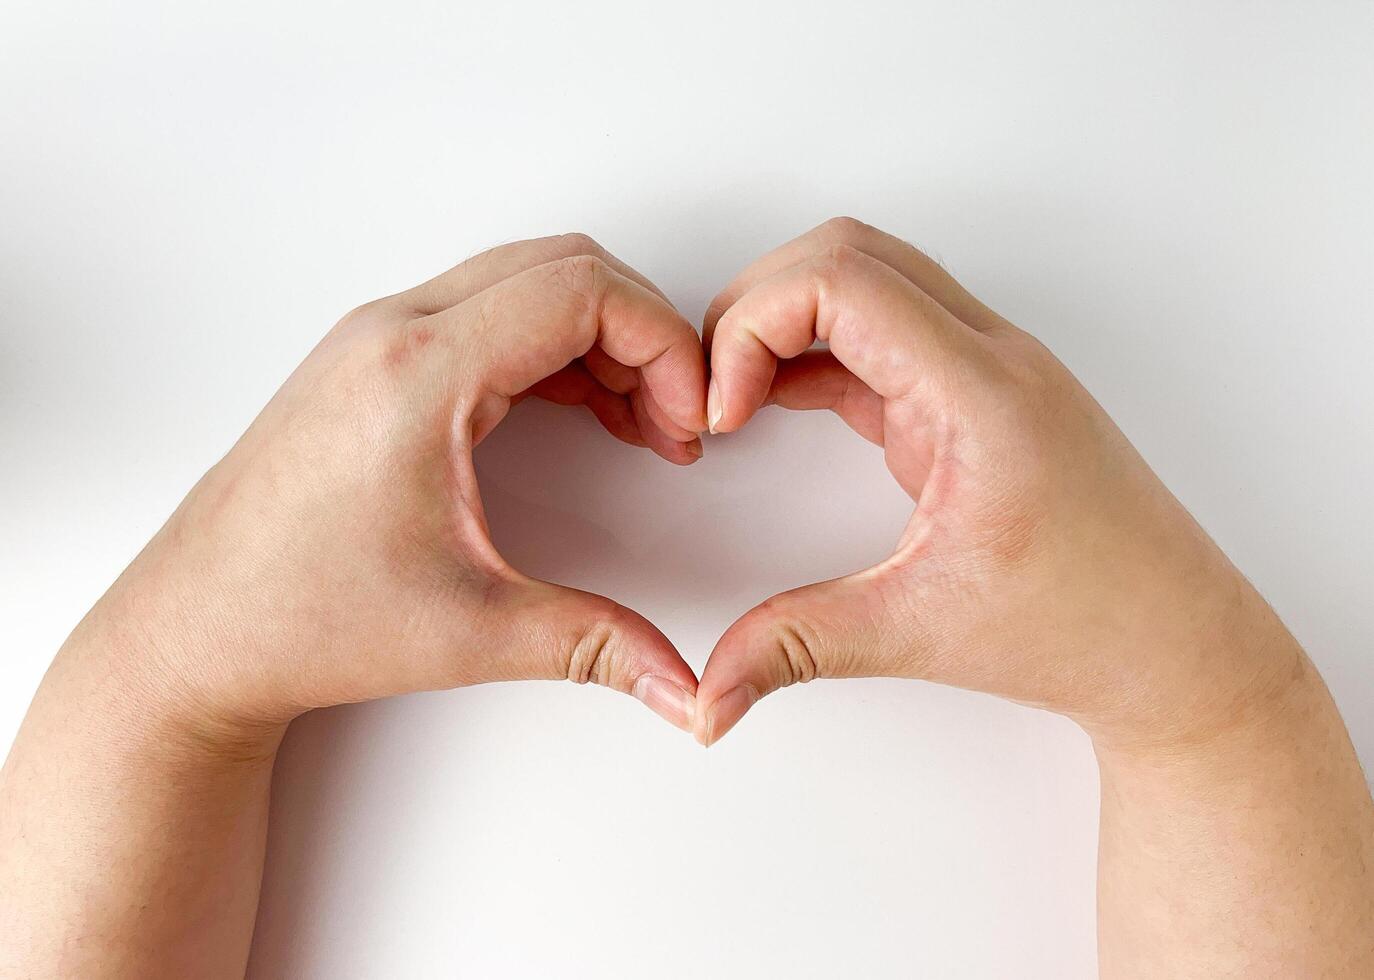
point(903, 257)
point(532, 324)
point(486, 269)
point(893, 336)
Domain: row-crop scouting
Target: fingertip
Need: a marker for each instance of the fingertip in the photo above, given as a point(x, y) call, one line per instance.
point(713, 721)
point(661, 416)
point(667, 699)
point(672, 685)
point(720, 419)
point(693, 417)
point(679, 453)
point(674, 449)
point(742, 370)
point(714, 409)
point(737, 674)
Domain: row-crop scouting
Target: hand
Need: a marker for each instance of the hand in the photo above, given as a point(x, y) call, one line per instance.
point(1044, 562)
point(339, 552)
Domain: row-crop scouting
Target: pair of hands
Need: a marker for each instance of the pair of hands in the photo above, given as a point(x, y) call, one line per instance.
point(339, 552)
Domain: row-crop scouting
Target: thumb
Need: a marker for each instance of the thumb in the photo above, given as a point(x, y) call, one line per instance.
point(557, 632)
point(847, 627)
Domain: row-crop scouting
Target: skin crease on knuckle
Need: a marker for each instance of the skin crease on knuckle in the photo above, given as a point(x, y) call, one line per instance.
point(590, 657)
point(600, 651)
point(577, 243)
point(835, 262)
point(845, 231)
point(584, 276)
point(795, 646)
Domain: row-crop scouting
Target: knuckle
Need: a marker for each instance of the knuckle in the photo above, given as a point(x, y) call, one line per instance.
point(375, 315)
point(839, 257)
point(796, 651)
point(843, 228)
point(577, 243)
point(376, 334)
point(581, 274)
point(594, 655)
point(587, 659)
point(717, 307)
point(407, 342)
point(836, 263)
point(1031, 387)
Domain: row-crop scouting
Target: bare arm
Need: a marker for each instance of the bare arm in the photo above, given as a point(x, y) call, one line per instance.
point(1250, 854)
point(132, 836)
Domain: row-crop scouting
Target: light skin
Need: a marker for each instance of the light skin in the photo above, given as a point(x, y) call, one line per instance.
point(1047, 564)
point(338, 553)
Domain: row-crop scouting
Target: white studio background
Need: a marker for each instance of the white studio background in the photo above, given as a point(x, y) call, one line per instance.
point(1176, 197)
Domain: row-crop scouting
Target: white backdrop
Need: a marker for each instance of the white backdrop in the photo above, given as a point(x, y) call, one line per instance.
point(1176, 197)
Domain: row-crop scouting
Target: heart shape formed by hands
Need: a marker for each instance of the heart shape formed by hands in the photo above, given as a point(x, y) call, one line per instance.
point(1041, 556)
point(891, 318)
point(1026, 499)
point(340, 553)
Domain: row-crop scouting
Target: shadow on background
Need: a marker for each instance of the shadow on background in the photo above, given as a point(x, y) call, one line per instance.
point(691, 548)
point(316, 772)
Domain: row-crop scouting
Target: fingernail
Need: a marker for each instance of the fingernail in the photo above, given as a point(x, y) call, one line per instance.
point(713, 409)
point(694, 448)
point(667, 700)
point(728, 709)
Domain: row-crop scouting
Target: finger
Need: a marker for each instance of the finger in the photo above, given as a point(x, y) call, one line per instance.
point(832, 629)
point(660, 417)
point(574, 385)
point(670, 448)
point(816, 380)
point(902, 256)
point(486, 269)
point(610, 372)
point(534, 323)
point(618, 377)
point(552, 632)
point(879, 325)
point(623, 416)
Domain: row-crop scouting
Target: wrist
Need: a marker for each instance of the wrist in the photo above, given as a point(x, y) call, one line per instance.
point(1196, 670)
point(1274, 713)
point(163, 680)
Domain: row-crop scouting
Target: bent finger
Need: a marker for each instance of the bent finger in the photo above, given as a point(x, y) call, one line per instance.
point(574, 385)
point(905, 258)
point(486, 269)
point(533, 324)
point(816, 380)
point(879, 325)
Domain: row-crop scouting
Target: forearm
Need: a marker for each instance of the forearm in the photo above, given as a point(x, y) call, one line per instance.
point(1248, 854)
point(131, 844)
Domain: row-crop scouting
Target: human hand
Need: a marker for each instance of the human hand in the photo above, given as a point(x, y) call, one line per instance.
point(339, 552)
point(1045, 562)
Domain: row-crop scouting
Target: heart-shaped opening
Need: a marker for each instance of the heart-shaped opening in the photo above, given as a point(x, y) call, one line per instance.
point(788, 500)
